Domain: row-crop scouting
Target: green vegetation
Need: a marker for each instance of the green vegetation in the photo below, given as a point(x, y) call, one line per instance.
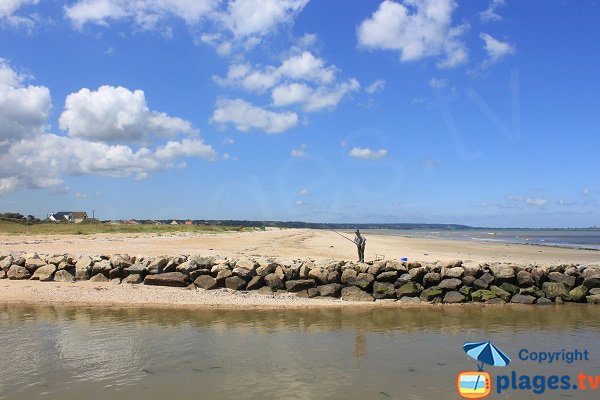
point(91, 227)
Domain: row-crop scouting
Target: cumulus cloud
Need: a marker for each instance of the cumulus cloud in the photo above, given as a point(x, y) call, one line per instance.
point(520, 201)
point(223, 24)
point(376, 86)
point(304, 192)
point(117, 115)
point(23, 109)
point(9, 15)
point(490, 14)
point(245, 117)
point(32, 157)
point(367, 154)
point(495, 48)
point(416, 29)
point(313, 99)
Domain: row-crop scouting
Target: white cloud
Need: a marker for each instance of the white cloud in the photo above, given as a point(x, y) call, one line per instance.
point(585, 191)
point(9, 16)
point(145, 14)
point(117, 115)
point(489, 14)
point(495, 49)
point(304, 192)
point(417, 29)
point(532, 201)
point(301, 152)
point(259, 17)
point(520, 201)
point(368, 154)
point(32, 157)
point(376, 86)
point(312, 100)
point(437, 83)
point(307, 67)
point(300, 203)
point(23, 109)
point(246, 117)
point(228, 141)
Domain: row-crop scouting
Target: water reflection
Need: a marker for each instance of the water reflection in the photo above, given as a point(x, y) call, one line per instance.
point(73, 353)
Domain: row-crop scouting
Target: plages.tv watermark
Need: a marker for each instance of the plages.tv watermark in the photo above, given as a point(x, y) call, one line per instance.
point(480, 384)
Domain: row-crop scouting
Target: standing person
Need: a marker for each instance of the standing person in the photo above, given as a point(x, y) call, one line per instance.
point(360, 245)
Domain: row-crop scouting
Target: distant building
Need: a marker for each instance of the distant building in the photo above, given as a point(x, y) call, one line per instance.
point(174, 223)
point(68, 216)
point(132, 222)
point(188, 222)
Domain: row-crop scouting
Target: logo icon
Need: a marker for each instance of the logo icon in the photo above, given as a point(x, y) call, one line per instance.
point(474, 385)
point(478, 384)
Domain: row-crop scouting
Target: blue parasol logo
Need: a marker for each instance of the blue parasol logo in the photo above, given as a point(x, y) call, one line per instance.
point(486, 353)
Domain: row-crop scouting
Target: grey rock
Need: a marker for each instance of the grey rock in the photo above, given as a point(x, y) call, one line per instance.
point(466, 291)
point(157, 265)
point(206, 282)
point(450, 284)
point(522, 299)
point(468, 280)
point(497, 301)
point(594, 291)
point(567, 280)
point(353, 293)
point(218, 268)
point(454, 272)
point(578, 294)
point(554, 290)
point(348, 276)
point(417, 274)
point(235, 283)
point(524, 278)
point(56, 259)
point(483, 295)
point(454, 297)
point(185, 267)
point(222, 275)
point(255, 283)
point(431, 279)
point(16, 272)
point(409, 289)
point(330, 290)
point(62, 275)
point(32, 264)
point(389, 276)
point(503, 273)
point(274, 282)
point(264, 270)
point(320, 275)
point(532, 291)
point(246, 263)
point(45, 273)
point(243, 273)
point(6, 263)
point(501, 293)
point(99, 278)
point(384, 290)
point(431, 293)
point(510, 288)
point(265, 290)
point(593, 299)
point(402, 279)
point(409, 300)
point(539, 276)
point(173, 279)
point(300, 284)
point(544, 301)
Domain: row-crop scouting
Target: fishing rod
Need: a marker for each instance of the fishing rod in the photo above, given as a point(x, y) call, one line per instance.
point(342, 235)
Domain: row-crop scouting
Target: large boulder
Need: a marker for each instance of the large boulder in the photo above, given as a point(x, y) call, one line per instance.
point(522, 299)
point(396, 265)
point(62, 275)
point(593, 299)
point(409, 289)
point(384, 290)
point(532, 291)
point(45, 273)
point(510, 288)
point(450, 284)
point(454, 297)
point(567, 280)
point(320, 275)
point(206, 282)
point(348, 276)
point(174, 279)
point(417, 274)
point(16, 272)
point(330, 290)
point(83, 268)
point(6, 263)
point(454, 272)
point(274, 282)
point(501, 293)
point(245, 274)
point(235, 283)
point(133, 279)
point(554, 290)
point(266, 269)
point(157, 265)
point(484, 281)
point(201, 261)
point(255, 283)
point(591, 278)
point(299, 284)
point(101, 267)
point(353, 293)
point(246, 263)
point(430, 294)
point(120, 261)
point(33, 263)
point(524, 278)
point(402, 279)
point(578, 294)
point(482, 295)
point(431, 279)
point(99, 278)
point(389, 276)
point(503, 273)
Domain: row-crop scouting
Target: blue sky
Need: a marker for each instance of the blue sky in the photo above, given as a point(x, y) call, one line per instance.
point(473, 112)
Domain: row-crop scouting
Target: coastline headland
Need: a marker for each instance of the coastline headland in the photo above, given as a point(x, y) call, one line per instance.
point(382, 281)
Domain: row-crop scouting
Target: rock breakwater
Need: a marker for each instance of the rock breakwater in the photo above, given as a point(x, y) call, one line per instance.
point(385, 280)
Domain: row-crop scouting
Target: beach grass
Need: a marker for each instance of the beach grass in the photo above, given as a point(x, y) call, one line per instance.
point(90, 228)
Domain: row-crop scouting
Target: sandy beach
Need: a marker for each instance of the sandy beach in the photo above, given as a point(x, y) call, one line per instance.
point(294, 243)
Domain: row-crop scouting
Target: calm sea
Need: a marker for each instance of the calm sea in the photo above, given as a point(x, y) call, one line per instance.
point(62, 353)
point(580, 239)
